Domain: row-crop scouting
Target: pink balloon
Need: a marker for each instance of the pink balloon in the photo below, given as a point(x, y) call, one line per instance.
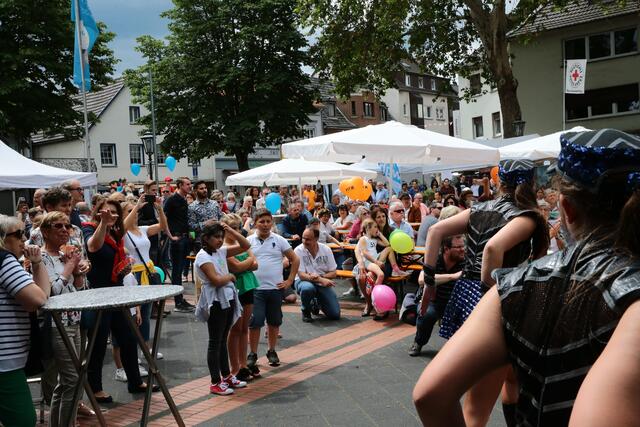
point(383, 298)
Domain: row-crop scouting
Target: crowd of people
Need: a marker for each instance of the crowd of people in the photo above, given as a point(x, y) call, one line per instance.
point(493, 249)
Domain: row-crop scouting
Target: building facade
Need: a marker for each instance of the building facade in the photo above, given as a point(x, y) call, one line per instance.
point(421, 99)
point(480, 117)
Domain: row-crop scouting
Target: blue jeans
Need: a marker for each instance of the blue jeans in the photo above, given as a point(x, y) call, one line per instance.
point(424, 324)
point(179, 251)
point(326, 298)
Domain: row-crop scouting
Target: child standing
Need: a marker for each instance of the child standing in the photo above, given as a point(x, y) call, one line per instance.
point(218, 304)
point(269, 248)
point(242, 265)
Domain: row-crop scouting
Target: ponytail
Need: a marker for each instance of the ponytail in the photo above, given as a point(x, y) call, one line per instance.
point(524, 197)
point(628, 231)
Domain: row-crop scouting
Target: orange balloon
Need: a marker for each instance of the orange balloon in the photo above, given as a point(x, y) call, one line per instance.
point(494, 174)
point(357, 182)
point(343, 185)
point(366, 191)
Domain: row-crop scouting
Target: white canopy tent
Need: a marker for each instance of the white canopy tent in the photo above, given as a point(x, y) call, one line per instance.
point(544, 147)
point(297, 172)
point(20, 172)
point(391, 142)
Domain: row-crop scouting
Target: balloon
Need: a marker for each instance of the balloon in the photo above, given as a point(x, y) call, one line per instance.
point(170, 162)
point(354, 188)
point(160, 272)
point(135, 168)
point(402, 243)
point(366, 191)
point(383, 298)
point(494, 174)
point(343, 185)
point(396, 231)
point(272, 202)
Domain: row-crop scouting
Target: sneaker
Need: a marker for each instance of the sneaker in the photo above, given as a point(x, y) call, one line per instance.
point(350, 293)
point(415, 350)
point(255, 372)
point(222, 388)
point(315, 307)
point(120, 375)
point(252, 360)
point(233, 382)
point(273, 358)
point(159, 356)
point(143, 371)
point(399, 273)
point(244, 374)
point(184, 307)
point(306, 316)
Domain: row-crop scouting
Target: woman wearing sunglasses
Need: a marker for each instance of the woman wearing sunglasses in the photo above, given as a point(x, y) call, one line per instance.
point(20, 293)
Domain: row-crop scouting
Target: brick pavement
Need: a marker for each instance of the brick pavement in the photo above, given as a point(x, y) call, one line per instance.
point(351, 372)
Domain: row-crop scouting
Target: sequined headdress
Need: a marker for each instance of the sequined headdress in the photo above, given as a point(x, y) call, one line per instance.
point(516, 172)
point(588, 158)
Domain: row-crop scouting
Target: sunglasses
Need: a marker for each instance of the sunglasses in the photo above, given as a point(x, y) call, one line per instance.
point(165, 192)
point(60, 225)
point(77, 189)
point(451, 203)
point(17, 234)
point(398, 211)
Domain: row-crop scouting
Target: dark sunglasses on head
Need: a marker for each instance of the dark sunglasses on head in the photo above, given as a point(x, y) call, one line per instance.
point(17, 234)
point(59, 225)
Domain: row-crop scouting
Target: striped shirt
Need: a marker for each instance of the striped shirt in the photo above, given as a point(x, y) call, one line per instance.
point(558, 314)
point(14, 320)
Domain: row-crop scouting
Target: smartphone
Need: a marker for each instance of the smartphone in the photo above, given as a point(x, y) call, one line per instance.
point(149, 198)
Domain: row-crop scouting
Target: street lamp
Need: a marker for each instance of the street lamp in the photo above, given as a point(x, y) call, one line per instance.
point(149, 148)
point(518, 127)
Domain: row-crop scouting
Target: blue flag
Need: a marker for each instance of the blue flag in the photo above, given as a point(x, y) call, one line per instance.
point(396, 180)
point(88, 35)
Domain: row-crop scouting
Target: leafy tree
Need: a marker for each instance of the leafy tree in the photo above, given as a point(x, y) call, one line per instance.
point(361, 43)
point(228, 79)
point(36, 69)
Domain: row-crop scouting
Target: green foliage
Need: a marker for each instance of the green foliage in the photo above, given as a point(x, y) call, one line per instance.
point(228, 79)
point(36, 69)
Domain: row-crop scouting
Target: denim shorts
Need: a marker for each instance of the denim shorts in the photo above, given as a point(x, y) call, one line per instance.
point(267, 304)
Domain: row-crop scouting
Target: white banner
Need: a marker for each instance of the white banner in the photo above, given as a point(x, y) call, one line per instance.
point(576, 72)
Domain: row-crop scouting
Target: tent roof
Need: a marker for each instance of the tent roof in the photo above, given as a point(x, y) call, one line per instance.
point(544, 147)
point(20, 172)
point(391, 142)
point(297, 171)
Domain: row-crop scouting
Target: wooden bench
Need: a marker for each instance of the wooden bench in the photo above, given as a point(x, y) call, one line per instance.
point(392, 281)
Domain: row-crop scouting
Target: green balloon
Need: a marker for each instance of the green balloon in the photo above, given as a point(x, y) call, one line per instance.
point(401, 242)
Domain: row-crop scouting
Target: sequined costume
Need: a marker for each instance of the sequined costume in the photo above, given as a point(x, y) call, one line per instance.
point(485, 221)
point(555, 330)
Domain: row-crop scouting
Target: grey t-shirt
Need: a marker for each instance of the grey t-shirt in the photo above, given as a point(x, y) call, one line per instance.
point(427, 222)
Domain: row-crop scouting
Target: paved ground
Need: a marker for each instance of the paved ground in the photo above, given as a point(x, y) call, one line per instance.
point(351, 372)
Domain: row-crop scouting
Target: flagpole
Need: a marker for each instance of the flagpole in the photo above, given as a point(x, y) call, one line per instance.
point(564, 92)
point(87, 142)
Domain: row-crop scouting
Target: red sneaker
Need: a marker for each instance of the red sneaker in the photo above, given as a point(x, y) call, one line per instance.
point(233, 382)
point(222, 388)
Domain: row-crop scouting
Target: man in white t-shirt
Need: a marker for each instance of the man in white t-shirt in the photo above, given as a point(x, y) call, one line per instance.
point(268, 248)
point(315, 277)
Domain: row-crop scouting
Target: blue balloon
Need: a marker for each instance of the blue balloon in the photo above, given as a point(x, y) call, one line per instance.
point(272, 202)
point(135, 168)
point(171, 163)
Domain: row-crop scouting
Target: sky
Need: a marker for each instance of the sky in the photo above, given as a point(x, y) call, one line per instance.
point(130, 19)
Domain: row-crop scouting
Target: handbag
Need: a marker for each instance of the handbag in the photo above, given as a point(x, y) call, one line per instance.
point(154, 278)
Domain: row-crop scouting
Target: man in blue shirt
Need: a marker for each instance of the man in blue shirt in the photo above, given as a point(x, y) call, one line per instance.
point(382, 194)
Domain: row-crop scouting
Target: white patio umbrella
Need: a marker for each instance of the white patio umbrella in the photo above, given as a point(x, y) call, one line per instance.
point(391, 142)
point(297, 172)
point(544, 147)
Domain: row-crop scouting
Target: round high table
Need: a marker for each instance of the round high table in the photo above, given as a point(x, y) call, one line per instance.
point(114, 298)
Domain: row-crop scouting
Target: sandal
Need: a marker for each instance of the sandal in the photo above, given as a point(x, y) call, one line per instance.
point(85, 411)
point(366, 312)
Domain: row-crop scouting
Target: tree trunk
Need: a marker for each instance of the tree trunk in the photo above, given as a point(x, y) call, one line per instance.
point(243, 161)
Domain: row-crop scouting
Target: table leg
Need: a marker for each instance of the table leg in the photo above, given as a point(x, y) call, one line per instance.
point(153, 368)
point(81, 365)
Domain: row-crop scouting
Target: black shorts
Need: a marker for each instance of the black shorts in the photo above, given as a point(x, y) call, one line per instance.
point(246, 298)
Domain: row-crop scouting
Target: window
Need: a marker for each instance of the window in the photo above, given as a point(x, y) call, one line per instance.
point(608, 100)
point(433, 84)
point(134, 114)
point(108, 155)
point(602, 45)
point(193, 163)
point(161, 156)
point(421, 82)
point(407, 79)
point(310, 133)
point(404, 109)
point(353, 108)
point(429, 113)
point(475, 85)
point(136, 153)
point(384, 114)
point(420, 110)
point(439, 113)
point(331, 110)
point(497, 128)
point(477, 127)
point(368, 109)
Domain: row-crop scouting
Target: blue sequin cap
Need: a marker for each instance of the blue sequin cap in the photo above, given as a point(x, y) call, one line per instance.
point(589, 157)
point(516, 172)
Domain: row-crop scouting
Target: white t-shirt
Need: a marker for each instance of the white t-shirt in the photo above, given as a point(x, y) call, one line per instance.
point(142, 242)
point(269, 253)
point(219, 261)
point(322, 263)
point(325, 230)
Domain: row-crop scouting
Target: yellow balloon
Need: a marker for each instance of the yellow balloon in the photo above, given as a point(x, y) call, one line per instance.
point(366, 191)
point(343, 185)
point(401, 242)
